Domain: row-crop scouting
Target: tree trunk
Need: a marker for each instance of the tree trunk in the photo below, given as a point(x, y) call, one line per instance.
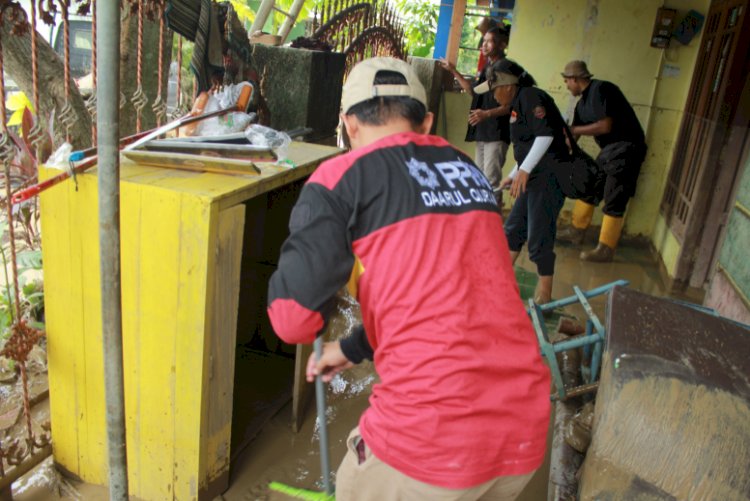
point(149, 73)
point(51, 85)
point(17, 64)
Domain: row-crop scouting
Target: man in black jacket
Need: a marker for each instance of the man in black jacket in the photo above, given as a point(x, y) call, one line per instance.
point(488, 121)
point(604, 113)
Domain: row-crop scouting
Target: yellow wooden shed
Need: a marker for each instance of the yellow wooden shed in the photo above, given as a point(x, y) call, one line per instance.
point(187, 239)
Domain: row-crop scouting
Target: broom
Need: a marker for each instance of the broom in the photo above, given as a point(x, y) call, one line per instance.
point(325, 465)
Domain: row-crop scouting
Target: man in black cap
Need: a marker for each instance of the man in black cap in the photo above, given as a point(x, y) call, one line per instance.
point(604, 113)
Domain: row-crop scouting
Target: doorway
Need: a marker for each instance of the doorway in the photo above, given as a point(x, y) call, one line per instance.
point(712, 142)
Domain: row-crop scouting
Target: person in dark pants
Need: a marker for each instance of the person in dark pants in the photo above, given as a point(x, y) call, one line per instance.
point(604, 113)
point(488, 121)
point(537, 136)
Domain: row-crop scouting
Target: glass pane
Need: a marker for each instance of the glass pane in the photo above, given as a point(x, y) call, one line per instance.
point(81, 40)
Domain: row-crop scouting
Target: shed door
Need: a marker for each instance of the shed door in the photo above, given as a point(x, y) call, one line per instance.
point(701, 163)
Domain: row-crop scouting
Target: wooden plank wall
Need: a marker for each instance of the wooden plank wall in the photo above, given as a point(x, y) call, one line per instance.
point(729, 292)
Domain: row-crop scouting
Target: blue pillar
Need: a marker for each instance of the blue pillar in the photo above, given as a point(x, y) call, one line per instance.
point(443, 28)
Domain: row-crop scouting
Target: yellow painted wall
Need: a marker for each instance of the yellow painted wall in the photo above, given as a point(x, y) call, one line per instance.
point(452, 120)
point(613, 37)
point(666, 243)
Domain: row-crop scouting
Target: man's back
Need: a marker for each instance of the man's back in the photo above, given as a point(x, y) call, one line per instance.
point(463, 395)
point(604, 99)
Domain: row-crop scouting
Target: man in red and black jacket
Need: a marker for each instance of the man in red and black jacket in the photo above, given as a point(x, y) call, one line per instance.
point(462, 407)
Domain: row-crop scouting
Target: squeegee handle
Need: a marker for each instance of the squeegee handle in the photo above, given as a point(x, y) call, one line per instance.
point(320, 400)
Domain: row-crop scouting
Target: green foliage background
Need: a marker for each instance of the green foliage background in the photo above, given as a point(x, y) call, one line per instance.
point(419, 18)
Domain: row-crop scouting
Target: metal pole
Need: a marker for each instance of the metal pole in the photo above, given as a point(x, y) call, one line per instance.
point(261, 16)
point(320, 400)
point(291, 19)
point(108, 132)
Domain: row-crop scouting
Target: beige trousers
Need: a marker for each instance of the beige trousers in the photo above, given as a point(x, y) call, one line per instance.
point(490, 158)
point(373, 480)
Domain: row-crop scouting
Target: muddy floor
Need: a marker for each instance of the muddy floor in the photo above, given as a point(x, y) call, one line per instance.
point(278, 454)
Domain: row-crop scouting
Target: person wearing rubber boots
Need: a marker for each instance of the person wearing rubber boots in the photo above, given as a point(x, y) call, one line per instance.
point(604, 113)
point(461, 409)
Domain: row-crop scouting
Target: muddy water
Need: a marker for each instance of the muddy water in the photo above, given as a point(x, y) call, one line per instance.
point(294, 459)
point(278, 454)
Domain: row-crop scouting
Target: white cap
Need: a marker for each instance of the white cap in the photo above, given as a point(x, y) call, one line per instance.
point(497, 79)
point(359, 85)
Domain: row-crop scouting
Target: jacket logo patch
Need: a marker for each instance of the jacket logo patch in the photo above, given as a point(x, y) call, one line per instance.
point(513, 117)
point(423, 174)
point(540, 112)
point(451, 184)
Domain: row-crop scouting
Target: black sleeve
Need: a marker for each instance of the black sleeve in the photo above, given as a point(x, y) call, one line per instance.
point(316, 261)
point(356, 347)
point(537, 112)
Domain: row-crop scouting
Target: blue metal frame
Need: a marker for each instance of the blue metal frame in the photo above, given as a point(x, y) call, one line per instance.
point(443, 29)
point(592, 341)
point(595, 334)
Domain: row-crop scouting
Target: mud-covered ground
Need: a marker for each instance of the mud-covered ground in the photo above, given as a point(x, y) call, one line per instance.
point(278, 454)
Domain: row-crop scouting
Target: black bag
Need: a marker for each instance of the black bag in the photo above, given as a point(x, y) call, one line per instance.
point(578, 177)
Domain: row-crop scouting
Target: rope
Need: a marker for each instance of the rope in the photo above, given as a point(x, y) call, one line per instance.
point(139, 97)
point(67, 115)
point(178, 101)
point(2, 90)
point(34, 62)
point(91, 102)
point(36, 134)
point(160, 106)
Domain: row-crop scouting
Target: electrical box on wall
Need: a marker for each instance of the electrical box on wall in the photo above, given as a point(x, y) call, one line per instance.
point(688, 27)
point(663, 27)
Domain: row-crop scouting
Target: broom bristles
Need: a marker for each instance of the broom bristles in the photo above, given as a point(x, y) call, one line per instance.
point(297, 493)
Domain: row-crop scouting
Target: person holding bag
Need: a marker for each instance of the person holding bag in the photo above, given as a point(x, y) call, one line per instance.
point(536, 133)
point(604, 113)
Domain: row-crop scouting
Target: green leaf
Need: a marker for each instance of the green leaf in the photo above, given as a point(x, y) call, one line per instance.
point(32, 298)
point(420, 20)
point(30, 260)
point(5, 321)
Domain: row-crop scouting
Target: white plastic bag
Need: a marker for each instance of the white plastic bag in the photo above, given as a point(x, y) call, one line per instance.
point(234, 121)
point(59, 159)
point(229, 94)
point(261, 135)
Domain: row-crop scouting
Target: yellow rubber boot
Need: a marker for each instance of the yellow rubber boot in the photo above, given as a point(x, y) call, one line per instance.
point(582, 214)
point(575, 233)
point(608, 239)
